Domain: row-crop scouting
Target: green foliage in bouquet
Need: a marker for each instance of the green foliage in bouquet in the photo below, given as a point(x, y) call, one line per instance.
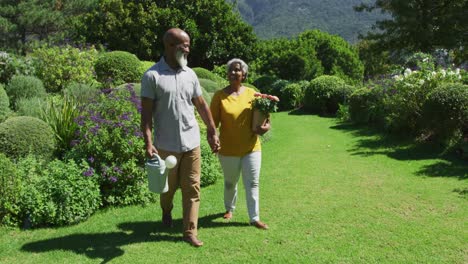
point(265, 103)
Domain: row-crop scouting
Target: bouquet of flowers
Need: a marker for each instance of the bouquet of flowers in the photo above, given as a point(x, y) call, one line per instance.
point(265, 103)
point(262, 106)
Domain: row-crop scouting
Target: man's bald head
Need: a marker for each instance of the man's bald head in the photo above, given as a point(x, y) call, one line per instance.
point(176, 47)
point(175, 36)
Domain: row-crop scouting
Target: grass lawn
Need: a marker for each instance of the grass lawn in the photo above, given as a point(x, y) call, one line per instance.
point(331, 193)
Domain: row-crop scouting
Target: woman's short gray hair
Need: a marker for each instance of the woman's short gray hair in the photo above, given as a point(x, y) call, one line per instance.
point(243, 65)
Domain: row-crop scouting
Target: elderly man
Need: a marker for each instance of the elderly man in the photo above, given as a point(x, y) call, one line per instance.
point(169, 92)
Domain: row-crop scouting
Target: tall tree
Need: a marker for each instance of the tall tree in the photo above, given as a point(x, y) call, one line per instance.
point(25, 20)
point(217, 32)
point(419, 25)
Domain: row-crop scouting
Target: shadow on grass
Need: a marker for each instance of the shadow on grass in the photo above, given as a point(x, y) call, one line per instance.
point(372, 142)
point(107, 246)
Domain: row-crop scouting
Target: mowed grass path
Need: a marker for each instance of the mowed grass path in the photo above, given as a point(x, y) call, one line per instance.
point(330, 193)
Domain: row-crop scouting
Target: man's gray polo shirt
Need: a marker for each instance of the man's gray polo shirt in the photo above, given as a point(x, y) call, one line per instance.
point(175, 126)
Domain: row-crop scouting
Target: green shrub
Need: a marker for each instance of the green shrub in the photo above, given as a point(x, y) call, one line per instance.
point(4, 104)
point(325, 93)
point(209, 85)
point(210, 167)
point(59, 66)
point(203, 73)
point(207, 96)
point(74, 192)
point(144, 66)
point(22, 86)
point(80, 92)
point(409, 92)
point(10, 186)
point(264, 83)
point(55, 193)
point(30, 106)
point(446, 111)
point(11, 64)
point(277, 87)
point(365, 105)
point(117, 67)
point(109, 137)
point(22, 135)
point(34, 206)
point(291, 96)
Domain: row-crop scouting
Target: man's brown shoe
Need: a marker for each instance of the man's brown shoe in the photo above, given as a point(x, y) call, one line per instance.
point(227, 215)
point(193, 240)
point(167, 220)
point(260, 225)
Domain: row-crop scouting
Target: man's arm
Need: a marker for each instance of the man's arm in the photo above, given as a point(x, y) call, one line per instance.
point(147, 125)
point(205, 114)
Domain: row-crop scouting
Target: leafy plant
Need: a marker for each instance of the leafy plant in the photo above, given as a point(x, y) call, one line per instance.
point(265, 103)
point(11, 65)
point(10, 186)
point(55, 193)
point(60, 115)
point(57, 67)
point(22, 86)
point(109, 137)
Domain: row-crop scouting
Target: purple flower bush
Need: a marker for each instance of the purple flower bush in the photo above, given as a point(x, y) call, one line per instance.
point(110, 140)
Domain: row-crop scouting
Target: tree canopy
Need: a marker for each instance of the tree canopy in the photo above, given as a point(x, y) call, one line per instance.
point(217, 33)
point(23, 21)
point(419, 25)
point(311, 54)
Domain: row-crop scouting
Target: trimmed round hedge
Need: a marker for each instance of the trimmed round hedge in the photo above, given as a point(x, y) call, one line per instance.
point(117, 67)
point(144, 66)
point(291, 96)
point(22, 86)
point(209, 85)
point(366, 106)
point(324, 94)
point(4, 103)
point(22, 135)
point(203, 73)
point(446, 110)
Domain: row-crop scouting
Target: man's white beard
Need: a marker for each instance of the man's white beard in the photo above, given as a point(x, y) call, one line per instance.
point(181, 58)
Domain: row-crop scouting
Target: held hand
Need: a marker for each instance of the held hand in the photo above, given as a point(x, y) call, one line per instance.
point(264, 127)
point(150, 151)
point(213, 141)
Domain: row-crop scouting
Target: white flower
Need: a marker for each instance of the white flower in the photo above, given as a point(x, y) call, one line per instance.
point(443, 72)
point(397, 77)
point(407, 72)
point(457, 71)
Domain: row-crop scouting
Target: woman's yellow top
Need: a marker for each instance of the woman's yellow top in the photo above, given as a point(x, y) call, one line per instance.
point(234, 113)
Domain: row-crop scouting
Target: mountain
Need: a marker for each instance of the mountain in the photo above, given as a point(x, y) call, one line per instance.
point(287, 18)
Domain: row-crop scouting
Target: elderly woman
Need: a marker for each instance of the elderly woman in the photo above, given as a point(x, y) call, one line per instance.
point(240, 146)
